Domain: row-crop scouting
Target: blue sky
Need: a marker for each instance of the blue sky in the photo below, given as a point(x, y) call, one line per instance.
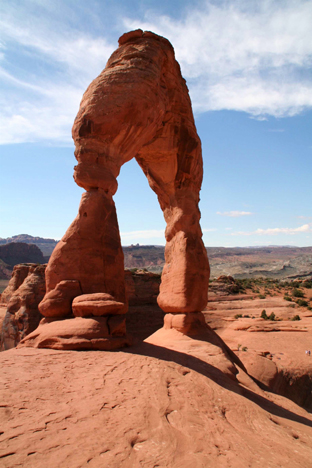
point(248, 66)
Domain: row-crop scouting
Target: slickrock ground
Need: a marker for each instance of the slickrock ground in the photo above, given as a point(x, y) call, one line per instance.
point(273, 352)
point(151, 406)
point(145, 406)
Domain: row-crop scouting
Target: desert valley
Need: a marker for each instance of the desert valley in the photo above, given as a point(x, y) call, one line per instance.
point(245, 400)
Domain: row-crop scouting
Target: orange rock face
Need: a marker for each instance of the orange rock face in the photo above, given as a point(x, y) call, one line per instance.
point(138, 107)
point(97, 304)
point(25, 290)
point(20, 272)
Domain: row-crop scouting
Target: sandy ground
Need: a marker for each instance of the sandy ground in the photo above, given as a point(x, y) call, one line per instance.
point(143, 407)
point(170, 401)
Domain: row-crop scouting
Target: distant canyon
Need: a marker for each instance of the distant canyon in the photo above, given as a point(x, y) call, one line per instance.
point(240, 262)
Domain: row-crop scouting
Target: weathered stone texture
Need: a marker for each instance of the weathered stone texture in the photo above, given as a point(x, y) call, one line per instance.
point(138, 107)
point(22, 315)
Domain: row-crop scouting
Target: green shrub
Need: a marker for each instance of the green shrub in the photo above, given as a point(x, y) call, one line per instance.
point(264, 315)
point(237, 316)
point(244, 348)
point(297, 293)
point(307, 285)
point(272, 316)
point(287, 298)
point(302, 303)
point(296, 317)
point(262, 296)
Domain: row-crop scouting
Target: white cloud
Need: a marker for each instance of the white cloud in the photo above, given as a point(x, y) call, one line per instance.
point(209, 229)
point(41, 105)
point(234, 214)
point(49, 117)
point(229, 229)
point(243, 56)
point(247, 56)
point(275, 231)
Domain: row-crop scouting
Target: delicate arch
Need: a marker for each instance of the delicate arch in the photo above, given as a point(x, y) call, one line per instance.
point(137, 107)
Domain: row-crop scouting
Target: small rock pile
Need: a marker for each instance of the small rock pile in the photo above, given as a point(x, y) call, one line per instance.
point(224, 286)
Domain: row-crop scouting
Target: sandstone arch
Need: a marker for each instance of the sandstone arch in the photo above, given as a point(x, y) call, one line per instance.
point(138, 107)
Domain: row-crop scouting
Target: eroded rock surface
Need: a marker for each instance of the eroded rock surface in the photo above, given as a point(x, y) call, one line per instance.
point(20, 272)
point(24, 294)
point(138, 107)
point(273, 351)
point(180, 404)
point(142, 287)
point(224, 285)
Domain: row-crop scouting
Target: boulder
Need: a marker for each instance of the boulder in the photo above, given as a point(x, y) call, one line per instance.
point(97, 304)
point(58, 302)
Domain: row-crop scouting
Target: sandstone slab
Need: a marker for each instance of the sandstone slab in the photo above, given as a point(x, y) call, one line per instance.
point(79, 334)
point(143, 406)
point(97, 304)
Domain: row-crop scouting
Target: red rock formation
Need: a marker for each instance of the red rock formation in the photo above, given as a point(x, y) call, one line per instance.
point(224, 285)
point(142, 287)
point(137, 107)
point(22, 315)
point(20, 272)
point(27, 287)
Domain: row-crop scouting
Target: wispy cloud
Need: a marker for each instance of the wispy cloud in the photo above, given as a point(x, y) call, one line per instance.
point(275, 231)
point(209, 229)
point(247, 56)
point(234, 214)
point(42, 92)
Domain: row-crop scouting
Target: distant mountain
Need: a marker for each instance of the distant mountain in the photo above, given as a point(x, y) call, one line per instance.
point(5, 272)
point(151, 257)
point(45, 245)
point(241, 262)
point(18, 252)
